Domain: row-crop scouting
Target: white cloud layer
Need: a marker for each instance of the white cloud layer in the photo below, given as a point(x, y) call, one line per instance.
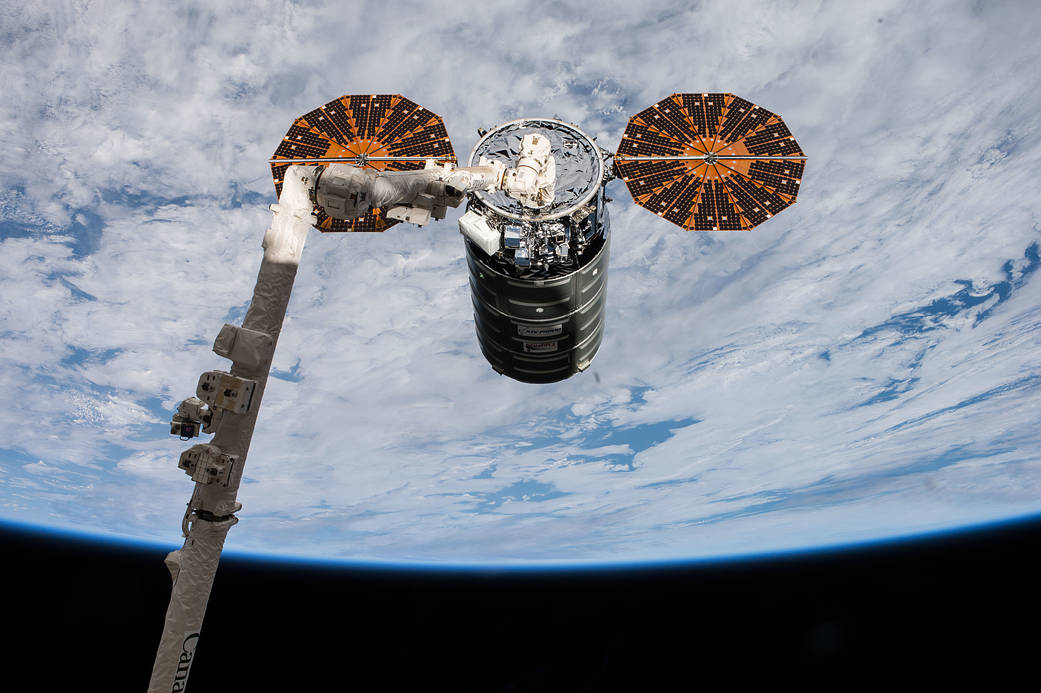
point(863, 365)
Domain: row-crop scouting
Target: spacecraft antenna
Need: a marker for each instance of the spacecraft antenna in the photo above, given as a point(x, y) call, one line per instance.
point(536, 239)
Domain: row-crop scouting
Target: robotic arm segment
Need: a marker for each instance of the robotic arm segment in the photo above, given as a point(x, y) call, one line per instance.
point(348, 192)
point(344, 192)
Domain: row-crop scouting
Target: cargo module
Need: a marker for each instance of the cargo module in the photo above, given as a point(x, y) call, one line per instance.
point(539, 282)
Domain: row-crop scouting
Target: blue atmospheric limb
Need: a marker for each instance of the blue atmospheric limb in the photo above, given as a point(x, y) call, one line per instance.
point(588, 566)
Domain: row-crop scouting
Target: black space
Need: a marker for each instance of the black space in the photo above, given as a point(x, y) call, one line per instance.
point(88, 616)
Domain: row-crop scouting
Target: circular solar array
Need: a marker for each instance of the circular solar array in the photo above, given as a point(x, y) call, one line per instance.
point(376, 131)
point(710, 162)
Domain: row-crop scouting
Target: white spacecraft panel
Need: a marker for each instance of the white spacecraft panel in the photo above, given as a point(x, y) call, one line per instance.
point(475, 227)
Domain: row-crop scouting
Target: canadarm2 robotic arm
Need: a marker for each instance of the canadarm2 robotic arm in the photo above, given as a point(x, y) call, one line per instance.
point(347, 192)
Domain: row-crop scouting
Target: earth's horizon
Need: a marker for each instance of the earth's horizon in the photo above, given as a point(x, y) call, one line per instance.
point(863, 365)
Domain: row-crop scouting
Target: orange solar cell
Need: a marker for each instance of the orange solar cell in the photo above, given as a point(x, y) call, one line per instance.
point(710, 162)
point(377, 131)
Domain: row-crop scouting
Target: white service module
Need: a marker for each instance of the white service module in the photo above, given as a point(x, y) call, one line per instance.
point(476, 228)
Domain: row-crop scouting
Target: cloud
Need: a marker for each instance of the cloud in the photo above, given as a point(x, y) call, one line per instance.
point(890, 315)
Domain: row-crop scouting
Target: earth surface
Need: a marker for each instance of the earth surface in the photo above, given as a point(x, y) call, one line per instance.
point(863, 366)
